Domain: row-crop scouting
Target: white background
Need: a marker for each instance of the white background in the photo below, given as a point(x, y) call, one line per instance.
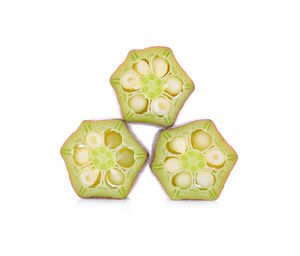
point(56, 58)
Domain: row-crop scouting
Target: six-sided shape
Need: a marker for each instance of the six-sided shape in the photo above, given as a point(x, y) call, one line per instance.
point(151, 86)
point(102, 159)
point(193, 161)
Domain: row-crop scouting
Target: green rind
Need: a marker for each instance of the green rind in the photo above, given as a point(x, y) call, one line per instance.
point(193, 193)
point(178, 102)
point(77, 138)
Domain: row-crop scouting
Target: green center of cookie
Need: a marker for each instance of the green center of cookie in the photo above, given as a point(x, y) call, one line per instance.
point(152, 86)
point(103, 158)
point(193, 161)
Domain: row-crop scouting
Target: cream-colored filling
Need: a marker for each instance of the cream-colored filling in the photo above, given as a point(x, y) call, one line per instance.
point(115, 177)
point(178, 145)
point(94, 140)
point(81, 155)
point(215, 157)
point(90, 176)
point(138, 103)
point(173, 85)
point(141, 67)
point(160, 66)
point(161, 106)
point(130, 81)
point(172, 165)
point(204, 179)
point(200, 140)
point(182, 180)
